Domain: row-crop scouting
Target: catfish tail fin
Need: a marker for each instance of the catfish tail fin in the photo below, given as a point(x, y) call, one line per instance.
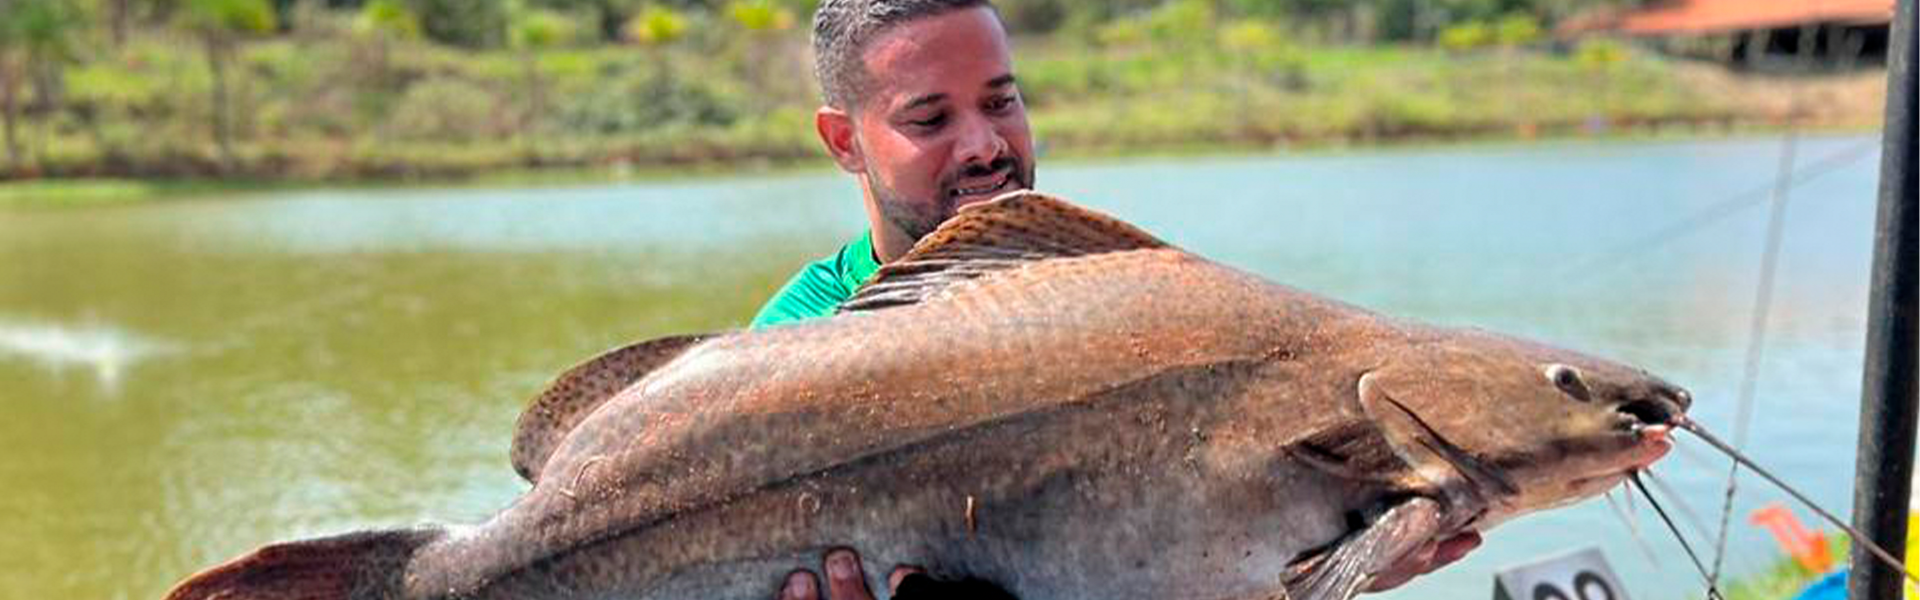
point(367, 564)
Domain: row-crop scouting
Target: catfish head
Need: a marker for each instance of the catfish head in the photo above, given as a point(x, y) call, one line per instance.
point(1501, 427)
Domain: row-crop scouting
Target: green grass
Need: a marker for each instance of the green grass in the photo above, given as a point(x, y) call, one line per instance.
point(78, 192)
point(1785, 578)
point(329, 107)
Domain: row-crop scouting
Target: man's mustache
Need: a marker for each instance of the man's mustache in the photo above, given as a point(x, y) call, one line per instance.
point(975, 170)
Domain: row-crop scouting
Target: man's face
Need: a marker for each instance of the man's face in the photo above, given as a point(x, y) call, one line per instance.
point(941, 123)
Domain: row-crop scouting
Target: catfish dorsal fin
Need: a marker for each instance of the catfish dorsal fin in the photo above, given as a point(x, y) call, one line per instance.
point(576, 393)
point(1007, 232)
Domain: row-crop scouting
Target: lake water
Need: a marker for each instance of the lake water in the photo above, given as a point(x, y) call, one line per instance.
point(185, 380)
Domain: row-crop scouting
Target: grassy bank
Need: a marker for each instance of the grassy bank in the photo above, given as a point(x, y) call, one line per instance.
point(1785, 578)
point(329, 102)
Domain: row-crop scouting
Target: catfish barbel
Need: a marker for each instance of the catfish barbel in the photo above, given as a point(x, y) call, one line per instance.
point(1038, 396)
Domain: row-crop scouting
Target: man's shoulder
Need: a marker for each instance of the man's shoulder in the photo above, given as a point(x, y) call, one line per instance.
point(820, 286)
point(813, 292)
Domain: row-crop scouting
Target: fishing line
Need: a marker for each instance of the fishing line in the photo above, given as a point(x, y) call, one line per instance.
point(1633, 529)
point(1692, 455)
point(1762, 302)
point(1756, 349)
point(1718, 211)
point(1713, 590)
point(1696, 429)
point(1680, 505)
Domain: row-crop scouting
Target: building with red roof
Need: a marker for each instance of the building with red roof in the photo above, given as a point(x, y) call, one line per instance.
point(1749, 31)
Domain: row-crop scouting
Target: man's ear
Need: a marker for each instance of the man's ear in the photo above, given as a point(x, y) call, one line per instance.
point(836, 131)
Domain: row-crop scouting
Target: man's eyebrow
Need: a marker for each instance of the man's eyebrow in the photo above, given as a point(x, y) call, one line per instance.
point(1001, 81)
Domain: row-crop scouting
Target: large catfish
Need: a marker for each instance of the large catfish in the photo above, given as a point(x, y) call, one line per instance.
point(1038, 396)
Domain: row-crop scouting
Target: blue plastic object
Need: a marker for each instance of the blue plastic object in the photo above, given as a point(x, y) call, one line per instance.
point(1831, 587)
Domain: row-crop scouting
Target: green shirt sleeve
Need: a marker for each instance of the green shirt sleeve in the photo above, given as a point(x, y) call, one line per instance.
point(822, 285)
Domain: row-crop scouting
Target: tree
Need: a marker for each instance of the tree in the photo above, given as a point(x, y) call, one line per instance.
point(465, 23)
point(378, 26)
point(656, 25)
point(530, 30)
point(37, 37)
point(608, 17)
point(755, 51)
point(221, 25)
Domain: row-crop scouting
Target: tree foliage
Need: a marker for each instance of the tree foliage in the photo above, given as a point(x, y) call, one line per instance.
point(536, 28)
point(388, 19)
point(760, 16)
point(228, 18)
point(465, 23)
point(657, 25)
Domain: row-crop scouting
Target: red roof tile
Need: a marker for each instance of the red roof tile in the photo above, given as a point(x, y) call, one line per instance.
point(1709, 16)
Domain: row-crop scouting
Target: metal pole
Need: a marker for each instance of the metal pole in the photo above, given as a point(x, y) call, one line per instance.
point(1887, 398)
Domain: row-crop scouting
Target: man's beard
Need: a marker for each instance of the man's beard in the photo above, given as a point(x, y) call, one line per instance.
point(917, 219)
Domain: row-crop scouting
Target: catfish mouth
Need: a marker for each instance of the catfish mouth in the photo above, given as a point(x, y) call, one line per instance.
point(1646, 413)
point(1647, 427)
point(1649, 444)
point(1651, 422)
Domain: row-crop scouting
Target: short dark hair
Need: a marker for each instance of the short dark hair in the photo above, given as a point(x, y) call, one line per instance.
point(843, 28)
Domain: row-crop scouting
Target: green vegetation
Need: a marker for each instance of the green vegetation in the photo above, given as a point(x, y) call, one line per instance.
point(1785, 578)
point(351, 89)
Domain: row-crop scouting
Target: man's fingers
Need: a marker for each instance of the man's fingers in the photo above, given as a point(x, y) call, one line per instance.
point(800, 586)
point(899, 574)
point(844, 578)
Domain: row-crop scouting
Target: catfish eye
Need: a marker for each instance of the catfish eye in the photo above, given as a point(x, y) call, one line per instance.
point(1568, 380)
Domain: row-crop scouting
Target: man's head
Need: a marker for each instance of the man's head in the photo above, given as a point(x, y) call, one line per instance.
point(922, 107)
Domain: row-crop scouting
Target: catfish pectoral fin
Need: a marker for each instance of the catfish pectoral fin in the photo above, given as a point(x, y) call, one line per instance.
point(1362, 554)
point(368, 564)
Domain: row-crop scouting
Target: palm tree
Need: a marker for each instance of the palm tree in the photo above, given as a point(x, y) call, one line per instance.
point(221, 25)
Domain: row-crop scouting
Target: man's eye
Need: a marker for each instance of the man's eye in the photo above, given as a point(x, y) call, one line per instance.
point(929, 122)
point(1000, 104)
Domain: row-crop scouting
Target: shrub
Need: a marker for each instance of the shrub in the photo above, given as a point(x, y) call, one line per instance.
point(1516, 30)
point(462, 22)
point(1466, 36)
point(626, 102)
point(446, 109)
point(760, 16)
point(657, 25)
point(387, 19)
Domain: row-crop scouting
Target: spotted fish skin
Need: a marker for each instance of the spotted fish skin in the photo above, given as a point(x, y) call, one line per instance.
point(1041, 397)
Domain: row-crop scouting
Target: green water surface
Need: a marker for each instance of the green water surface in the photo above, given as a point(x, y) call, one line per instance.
point(187, 379)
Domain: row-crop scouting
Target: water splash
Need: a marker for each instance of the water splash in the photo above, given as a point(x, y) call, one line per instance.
point(105, 351)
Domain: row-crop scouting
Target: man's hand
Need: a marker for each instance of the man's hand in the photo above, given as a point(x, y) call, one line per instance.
point(845, 581)
point(1429, 557)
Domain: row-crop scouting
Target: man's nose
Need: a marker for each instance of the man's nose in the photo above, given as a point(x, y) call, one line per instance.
point(979, 142)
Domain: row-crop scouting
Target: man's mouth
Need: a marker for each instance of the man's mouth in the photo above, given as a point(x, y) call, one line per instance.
point(995, 184)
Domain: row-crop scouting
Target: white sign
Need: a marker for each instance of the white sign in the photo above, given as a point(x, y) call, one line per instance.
point(1578, 575)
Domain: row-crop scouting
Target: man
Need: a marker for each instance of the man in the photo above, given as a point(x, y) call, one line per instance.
point(923, 109)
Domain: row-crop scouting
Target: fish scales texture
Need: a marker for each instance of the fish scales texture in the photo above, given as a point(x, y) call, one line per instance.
point(1037, 396)
point(709, 434)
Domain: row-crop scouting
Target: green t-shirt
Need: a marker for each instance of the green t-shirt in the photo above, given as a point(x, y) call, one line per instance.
point(822, 285)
